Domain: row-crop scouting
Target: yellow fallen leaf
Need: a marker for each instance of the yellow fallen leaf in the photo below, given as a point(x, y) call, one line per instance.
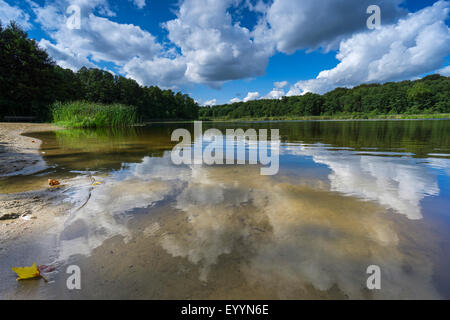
point(27, 272)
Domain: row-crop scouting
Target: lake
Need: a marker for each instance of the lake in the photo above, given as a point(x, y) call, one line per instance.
point(348, 195)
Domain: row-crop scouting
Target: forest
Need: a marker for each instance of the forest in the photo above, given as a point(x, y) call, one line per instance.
point(31, 82)
point(428, 95)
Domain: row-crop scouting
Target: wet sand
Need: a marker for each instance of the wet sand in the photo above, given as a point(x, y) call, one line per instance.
point(24, 216)
point(20, 154)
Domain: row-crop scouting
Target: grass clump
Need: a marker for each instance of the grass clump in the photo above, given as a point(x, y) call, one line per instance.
point(82, 114)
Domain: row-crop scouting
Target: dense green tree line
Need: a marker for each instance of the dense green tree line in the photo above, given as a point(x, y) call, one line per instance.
point(428, 95)
point(30, 82)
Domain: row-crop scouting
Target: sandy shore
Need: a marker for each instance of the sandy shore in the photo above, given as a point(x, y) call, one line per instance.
point(20, 154)
point(21, 211)
point(29, 221)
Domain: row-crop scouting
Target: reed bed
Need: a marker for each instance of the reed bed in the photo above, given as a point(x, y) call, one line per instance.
point(82, 114)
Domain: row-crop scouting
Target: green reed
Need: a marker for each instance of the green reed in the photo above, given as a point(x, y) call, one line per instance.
point(82, 114)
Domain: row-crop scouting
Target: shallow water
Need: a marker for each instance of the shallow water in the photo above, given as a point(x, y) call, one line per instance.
point(347, 195)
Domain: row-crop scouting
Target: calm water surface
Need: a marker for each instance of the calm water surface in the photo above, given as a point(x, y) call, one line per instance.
point(348, 195)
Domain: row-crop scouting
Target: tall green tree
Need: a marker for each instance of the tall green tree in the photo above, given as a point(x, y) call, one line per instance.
point(26, 74)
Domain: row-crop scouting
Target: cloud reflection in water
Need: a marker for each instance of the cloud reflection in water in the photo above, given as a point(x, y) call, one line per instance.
point(283, 236)
point(398, 183)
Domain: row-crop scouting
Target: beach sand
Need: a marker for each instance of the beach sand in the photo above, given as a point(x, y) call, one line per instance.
point(24, 215)
point(20, 154)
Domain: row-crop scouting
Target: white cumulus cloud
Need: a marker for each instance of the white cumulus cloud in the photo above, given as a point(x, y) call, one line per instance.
point(212, 102)
point(234, 100)
point(251, 96)
point(276, 93)
point(98, 39)
point(309, 24)
point(8, 13)
point(167, 73)
point(215, 48)
point(413, 46)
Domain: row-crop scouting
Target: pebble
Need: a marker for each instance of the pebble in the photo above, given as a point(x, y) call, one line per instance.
point(9, 216)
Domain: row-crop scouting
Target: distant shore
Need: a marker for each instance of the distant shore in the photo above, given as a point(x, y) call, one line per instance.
point(348, 117)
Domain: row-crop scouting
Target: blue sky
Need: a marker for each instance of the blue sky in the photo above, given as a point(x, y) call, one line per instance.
point(217, 51)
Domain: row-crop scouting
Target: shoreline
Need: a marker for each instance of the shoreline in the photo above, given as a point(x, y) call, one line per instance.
point(29, 219)
point(386, 117)
point(19, 154)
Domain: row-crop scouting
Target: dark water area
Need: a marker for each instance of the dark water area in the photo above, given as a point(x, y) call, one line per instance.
point(416, 138)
